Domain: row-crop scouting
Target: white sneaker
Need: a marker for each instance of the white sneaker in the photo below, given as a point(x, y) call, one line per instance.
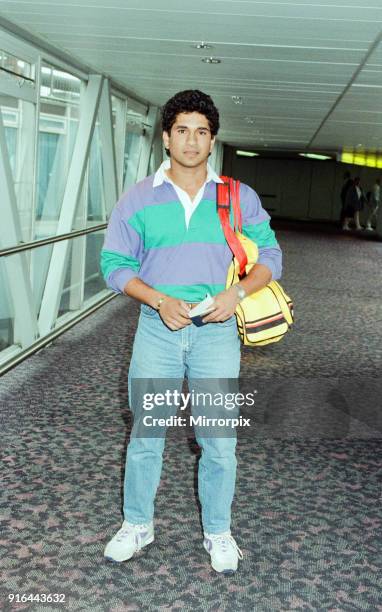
point(224, 551)
point(128, 540)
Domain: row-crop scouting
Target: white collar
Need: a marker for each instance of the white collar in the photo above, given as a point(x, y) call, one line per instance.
point(161, 176)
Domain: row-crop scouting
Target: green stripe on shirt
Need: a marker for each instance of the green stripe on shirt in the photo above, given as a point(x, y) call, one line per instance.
point(190, 293)
point(111, 260)
point(262, 234)
point(165, 225)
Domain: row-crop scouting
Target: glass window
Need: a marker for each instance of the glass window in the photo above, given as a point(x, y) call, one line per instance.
point(58, 125)
point(96, 198)
point(131, 158)
point(94, 281)
point(6, 309)
point(16, 67)
point(83, 278)
point(59, 85)
point(40, 149)
point(18, 118)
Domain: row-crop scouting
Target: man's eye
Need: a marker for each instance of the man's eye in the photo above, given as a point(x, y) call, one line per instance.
point(181, 131)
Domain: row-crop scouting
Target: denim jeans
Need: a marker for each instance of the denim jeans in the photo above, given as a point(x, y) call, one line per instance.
point(208, 352)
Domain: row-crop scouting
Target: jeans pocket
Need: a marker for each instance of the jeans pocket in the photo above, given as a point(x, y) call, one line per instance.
point(228, 323)
point(149, 311)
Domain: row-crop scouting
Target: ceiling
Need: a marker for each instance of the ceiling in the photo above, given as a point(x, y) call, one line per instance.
point(308, 72)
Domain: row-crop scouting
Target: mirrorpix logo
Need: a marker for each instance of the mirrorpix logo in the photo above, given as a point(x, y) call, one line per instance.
point(210, 401)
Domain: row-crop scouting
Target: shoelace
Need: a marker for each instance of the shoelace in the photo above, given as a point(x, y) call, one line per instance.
point(124, 531)
point(223, 540)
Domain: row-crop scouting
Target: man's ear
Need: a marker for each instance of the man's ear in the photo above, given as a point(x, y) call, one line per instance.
point(166, 139)
point(212, 143)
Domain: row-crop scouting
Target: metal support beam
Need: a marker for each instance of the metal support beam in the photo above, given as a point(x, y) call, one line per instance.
point(108, 149)
point(56, 273)
point(78, 260)
point(77, 246)
point(216, 158)
point(157, 146)
point(120, 139)
point(148, 138)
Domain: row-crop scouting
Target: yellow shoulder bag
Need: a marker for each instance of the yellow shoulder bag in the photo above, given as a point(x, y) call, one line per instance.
point(266, 315)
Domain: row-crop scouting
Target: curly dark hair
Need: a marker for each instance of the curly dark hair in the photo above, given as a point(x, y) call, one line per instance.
point(190, 101)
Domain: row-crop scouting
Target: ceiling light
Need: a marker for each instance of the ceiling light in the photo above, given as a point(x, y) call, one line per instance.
point(202, 45)
point(211, 60)
point(315, 156)
point(237, 99)
point(246, 154)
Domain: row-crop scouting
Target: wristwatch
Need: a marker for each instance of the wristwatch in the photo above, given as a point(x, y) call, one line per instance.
point(240, 292)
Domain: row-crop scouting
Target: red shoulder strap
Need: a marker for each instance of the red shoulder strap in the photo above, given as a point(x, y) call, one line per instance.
point(226, 193)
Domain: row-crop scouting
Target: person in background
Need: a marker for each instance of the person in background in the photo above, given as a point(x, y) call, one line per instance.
point(345, 187)
point(354, 203)
point(373, 204)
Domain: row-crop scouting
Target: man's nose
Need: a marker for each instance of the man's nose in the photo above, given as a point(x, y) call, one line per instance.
point(191, 137)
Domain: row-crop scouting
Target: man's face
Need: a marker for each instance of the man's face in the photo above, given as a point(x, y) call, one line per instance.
point(190, 141)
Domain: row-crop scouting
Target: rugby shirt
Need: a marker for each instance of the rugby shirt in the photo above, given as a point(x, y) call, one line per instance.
point(147, 237)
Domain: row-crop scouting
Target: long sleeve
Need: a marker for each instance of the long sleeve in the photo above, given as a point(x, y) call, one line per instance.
point(121, 255)
point(256, 226)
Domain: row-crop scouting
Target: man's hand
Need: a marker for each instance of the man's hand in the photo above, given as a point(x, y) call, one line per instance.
point(225, 306)
point(174, 313)
point(258, 277)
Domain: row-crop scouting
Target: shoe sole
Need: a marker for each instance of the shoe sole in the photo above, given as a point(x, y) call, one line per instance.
point(225, 572)
point(149, 541)
point(228, 572)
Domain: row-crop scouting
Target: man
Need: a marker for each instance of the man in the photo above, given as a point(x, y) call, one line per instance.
point(345, 187)
point(165, 247)
point(373, 204)
point(354, 202)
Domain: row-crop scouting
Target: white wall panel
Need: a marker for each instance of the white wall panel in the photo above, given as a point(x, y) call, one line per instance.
point(321, 190)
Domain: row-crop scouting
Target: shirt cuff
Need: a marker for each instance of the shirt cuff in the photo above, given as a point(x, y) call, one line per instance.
point(118, 279)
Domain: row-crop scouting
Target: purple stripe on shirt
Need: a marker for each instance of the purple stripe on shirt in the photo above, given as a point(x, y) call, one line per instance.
point(270, 257)
point(186, 264)
point(118, 279)
point(122, 237)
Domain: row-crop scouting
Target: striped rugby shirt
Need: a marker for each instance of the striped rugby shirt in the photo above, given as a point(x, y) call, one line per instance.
point(147, 237)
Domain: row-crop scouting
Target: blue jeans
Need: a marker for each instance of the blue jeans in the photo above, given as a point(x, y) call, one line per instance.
point(213, 352)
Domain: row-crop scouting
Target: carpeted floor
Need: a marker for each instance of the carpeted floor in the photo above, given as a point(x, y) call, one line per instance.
point(307, 510)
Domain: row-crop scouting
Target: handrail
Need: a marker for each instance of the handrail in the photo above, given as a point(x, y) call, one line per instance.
point(26, 246)
point(16, 74)
point(42, 342)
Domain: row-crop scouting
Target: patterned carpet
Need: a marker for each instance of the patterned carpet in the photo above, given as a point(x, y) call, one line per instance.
point(307, 510)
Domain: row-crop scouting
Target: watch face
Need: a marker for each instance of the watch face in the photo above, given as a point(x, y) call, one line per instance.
point(241, 293)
